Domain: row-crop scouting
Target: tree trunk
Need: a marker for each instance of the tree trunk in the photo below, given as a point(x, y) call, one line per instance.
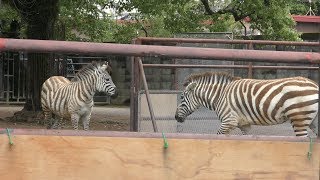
point(40, 25)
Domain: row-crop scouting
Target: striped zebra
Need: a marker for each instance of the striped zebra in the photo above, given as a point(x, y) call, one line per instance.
point(74, 99)
point(245, 102)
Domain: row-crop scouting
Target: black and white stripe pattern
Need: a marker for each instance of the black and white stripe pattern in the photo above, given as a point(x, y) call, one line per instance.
point(74, 99)
point(245, 102)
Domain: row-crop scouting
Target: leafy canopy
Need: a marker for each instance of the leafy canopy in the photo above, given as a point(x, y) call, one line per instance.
point(98, 20)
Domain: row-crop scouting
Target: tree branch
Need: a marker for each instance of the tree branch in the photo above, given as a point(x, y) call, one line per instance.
point(142, 26)
point(232, 8)
point(207, 7)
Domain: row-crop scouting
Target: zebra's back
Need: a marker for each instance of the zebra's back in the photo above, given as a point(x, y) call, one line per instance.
point(51, 98)
point(267, 102)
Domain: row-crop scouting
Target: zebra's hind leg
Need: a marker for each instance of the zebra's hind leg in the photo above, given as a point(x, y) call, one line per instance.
point(55, 124)
point(62, 122)
point(47, 118)
point(300, 127)
point(75, 120)
point(86, 120)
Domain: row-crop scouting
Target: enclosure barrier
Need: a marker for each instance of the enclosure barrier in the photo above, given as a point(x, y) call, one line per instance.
point(159, 51)
point(47, 154)
point(138, 67)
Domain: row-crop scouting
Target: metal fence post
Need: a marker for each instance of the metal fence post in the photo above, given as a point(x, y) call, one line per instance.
point(144, 80)
point(134, 91)
point(250, 46)
point(318, 135)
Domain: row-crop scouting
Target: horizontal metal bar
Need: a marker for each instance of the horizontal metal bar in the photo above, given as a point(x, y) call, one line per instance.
point(173, 66)
point(46, 132)
point(86, 57)
point(157, 51)
point(227, 41)
point(4, 131)
point(161, 91)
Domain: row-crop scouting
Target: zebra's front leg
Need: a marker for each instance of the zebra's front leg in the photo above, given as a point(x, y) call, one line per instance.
point(227, 126)
point(58, 123)
point(86, 120)
point(75, 120)
point(245, 129)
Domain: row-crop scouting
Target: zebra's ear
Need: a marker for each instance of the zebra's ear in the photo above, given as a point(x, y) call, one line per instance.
point(191, 86)
point(104, 66)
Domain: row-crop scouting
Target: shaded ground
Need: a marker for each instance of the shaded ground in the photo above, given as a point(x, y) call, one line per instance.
point(103, 118)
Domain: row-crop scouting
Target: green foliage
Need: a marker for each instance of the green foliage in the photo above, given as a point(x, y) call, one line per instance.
point(86, 21)
point(274, 21)
point(126, 32)
point(92, 21)
point(302, 7)
point(271, 17)
point(7, 14)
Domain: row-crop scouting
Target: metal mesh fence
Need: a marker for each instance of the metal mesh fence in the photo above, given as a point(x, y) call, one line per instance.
point(14, 72)
point(180, 73)
point(203, 121)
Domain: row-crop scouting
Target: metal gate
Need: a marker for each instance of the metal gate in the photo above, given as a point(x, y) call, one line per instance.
point(14, 74)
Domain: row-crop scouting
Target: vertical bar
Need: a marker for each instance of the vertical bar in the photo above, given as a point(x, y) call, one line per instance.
point(8, 76)
point(13, 77)
point(155, 128)
point(132, 95)
point(175, 76)
point(19, 76)
point(250, 46)
point(318, 135)
point(134, 91)
point(1, 74)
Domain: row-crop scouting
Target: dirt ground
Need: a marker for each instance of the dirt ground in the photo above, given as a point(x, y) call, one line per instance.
point(106, 118)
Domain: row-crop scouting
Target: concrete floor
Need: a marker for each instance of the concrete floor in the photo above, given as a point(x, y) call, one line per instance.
point(206, 122)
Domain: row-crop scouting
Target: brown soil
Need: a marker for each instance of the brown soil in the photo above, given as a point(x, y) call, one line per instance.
point(103, 118)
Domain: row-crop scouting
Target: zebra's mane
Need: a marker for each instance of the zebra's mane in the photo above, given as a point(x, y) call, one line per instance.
point(198, 76)
point(90, 68)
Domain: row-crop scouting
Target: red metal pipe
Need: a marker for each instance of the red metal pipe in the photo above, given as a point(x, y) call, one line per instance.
point(145, 84)
point(227, 41)
point(158, 51)
point(173, 66)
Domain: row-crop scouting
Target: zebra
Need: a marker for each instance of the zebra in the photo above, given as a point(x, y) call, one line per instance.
point(74, 99)
point(244, 102)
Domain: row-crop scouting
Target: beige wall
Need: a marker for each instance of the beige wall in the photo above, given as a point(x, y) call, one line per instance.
point(164, 105)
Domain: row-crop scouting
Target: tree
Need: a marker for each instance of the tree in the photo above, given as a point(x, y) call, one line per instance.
point(271, 17)
point(9, 18)
point(39, 17)
point(86, 21)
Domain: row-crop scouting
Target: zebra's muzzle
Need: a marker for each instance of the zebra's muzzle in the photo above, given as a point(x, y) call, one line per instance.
point(178, 118)
point(115, 95)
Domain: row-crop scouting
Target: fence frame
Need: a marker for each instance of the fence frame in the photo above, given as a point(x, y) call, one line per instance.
point(137, 50)
point(138, 67)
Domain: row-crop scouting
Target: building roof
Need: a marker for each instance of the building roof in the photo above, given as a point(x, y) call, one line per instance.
point(306, 19)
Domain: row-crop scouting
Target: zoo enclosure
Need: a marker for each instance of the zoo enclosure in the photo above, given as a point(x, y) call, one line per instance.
point(140, 114)
point(159, 51)
point(274, 157)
